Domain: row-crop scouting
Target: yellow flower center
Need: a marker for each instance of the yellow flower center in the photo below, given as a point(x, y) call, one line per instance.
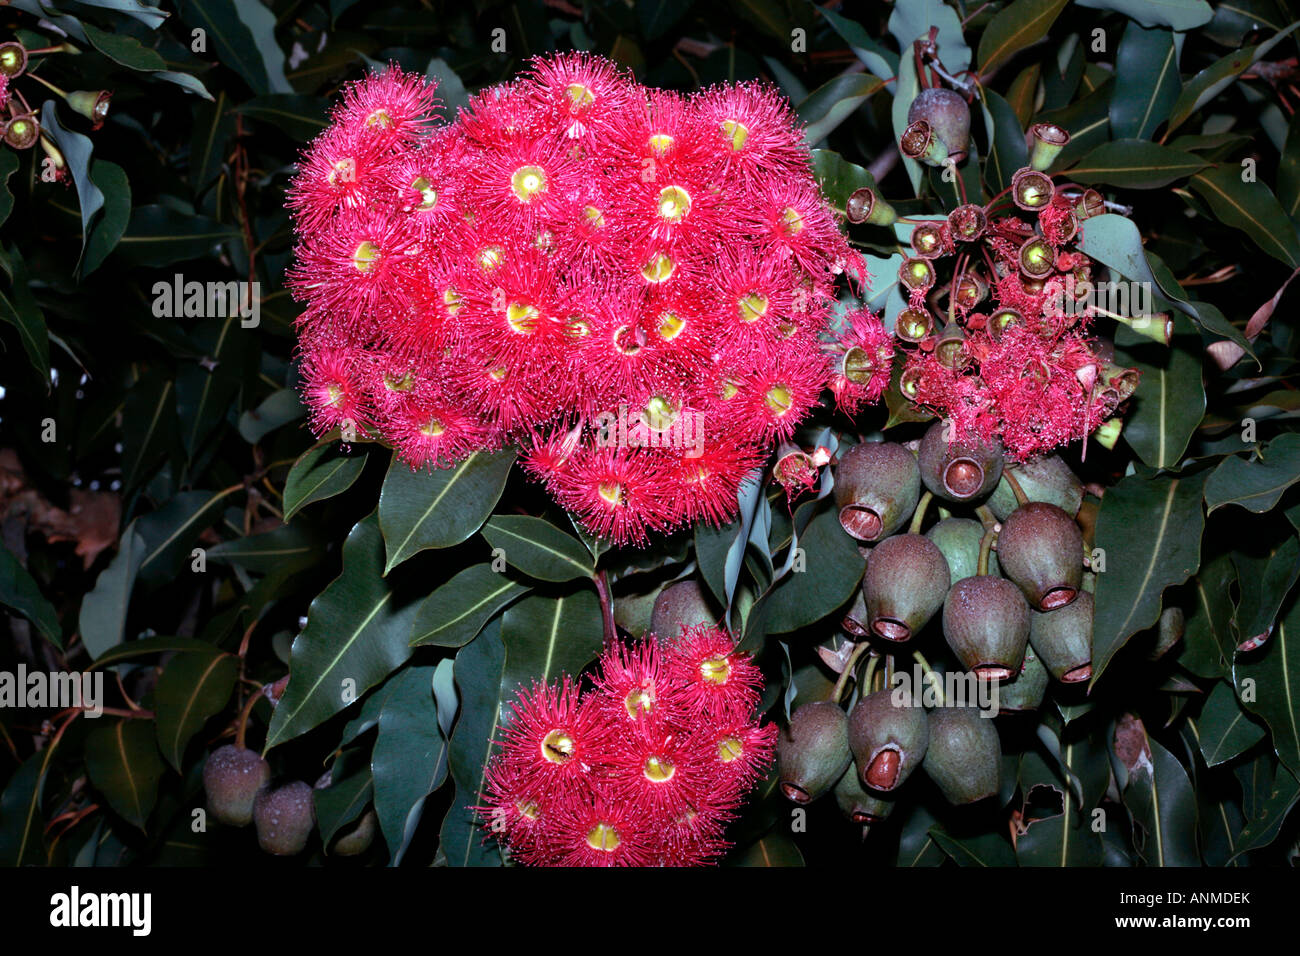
point(660, 144)
point(611, 492)
point(522, 318)
point(603, 837)
point(779, 400)
point(659, 269)
point(365, 256)
point(715, 670)
point(670, 326)
point(736, 132)
point(674, 203)
point(658, 769)
point(752, 307)
point(580, 95)
point(527, 182)
point(428, 195)
point(558, 746)
point(730, 748)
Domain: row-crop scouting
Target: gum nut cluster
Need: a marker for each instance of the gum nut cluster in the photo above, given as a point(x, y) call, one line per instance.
point(634, 286)
point(1009, 594)
point(1017, 362)
point(645, 768)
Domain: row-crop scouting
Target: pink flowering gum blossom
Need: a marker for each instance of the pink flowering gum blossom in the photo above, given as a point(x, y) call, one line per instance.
point(575, 246)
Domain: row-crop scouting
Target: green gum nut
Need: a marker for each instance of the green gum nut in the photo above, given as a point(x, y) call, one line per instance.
point(812, 753)
point(877, 486)
point(888, 739)
point(1062, 639)
point(1027, 690)
point(958, 471)
point(986, 623)
point(959, 540)
point(858, 804)
point(356, 839)
point(904, 586)
point(1044, 479)
point(965, 756)
point(1041, 549)
point(680, 605)
point(284, 818)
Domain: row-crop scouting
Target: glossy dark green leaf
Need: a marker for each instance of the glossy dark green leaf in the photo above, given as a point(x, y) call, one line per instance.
point(149, 15)
point(1209, 642)
point(1170, 397)
point(1288, 171)
point(276, 410)
point(356, 635)
point(192, 689)
point(206, 389)
point(410, 757)
point(213, 126)
point(985, 849)
point(22, 312)
point(1063, 838)
point(878, 59)
point(1174, 14)
point(711, 547)
point(22, 828)
point(835, 101)
point(1266, 684)
point(1014, 27)
point(112, 182)
point(1146, 82)
point(1252, 208)
point(1262, 826)
point(1008, 152)
point(1258, 482)
point(149, 427)
point(104, 609)
point(838, 177)
point(1135, 164)
point(170, 532)
point(340, 803)
point(1150, 530)
point(76, 149)
point(159, 236)
point(1224, 730)
point(1160, 797)
point(832, 570)
point(453, 614)
point(154, 644)
point(422, 509)
point(288, 546)
point(301, 117)
point(123, 763)
point(124, 49)
point(20, 592)
point(241, 35)
point(323, 471)
point(8, 166)
point(547, 637)
point(1219, 75)
point(538, 548)
point(776, 849)
point(1264, 580)
point(656, 17)
point(479, 670)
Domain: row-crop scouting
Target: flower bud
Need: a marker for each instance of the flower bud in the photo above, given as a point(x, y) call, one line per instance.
point(1041, 549)
point(232, 778)
point(1062, 639)
point(683, 604)
point(958, 471)
point(284, 818)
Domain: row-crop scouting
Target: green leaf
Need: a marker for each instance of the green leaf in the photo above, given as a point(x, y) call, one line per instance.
point(480, 667)
point(835, 101)
point(1263, 584)
point(276, 410)
point(192, 689)
point(839, 178)
point(1008, 151)
point(1262, 829)
point(832, 572)
point(124, 49)
point(321, 472)
point(1014, 27)
point(912, 20)
point(1150, 530)
point(241, 35)
point(205, 389)
point(340, 803)
point(169, 532)
point(1208, 642)
point(1252, 208)
point(19, 591)
point(1288, 171)
point(26, 316)
point(123, 763)
point(159, 236)
point(453, 614)
point(157, 644)
point(1224, 731)
point(1146, 82)
point(656, 17)
point(1218, 76)
point(775, 849)
point(1163, 804)
point(356, 635)
point(104, 609)
point(538, 548)
point(547, 637)
point(1135, 164)
point(284, 548)
point(8, 166)
point(881, 61)
point(986, 849)
point(112, 182)
point(1170, 398)
point(300, 117)
point(76, 150)
point(149, 15)
point(22, 828)
point(410, 757)
point(421, 509)
point(1174, 14)
point(149, 427)
point(1267, 686)
point(213, 127)
point(1256, 484)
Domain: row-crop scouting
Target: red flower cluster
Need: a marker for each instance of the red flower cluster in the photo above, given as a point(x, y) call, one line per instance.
point(645, 769)
point(633, 285)
point(1018, 364)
